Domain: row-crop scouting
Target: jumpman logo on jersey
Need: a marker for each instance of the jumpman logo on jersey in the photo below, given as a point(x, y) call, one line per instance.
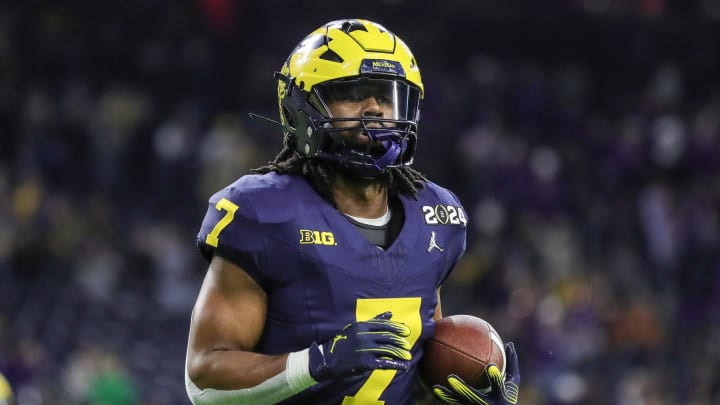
point(433, 244)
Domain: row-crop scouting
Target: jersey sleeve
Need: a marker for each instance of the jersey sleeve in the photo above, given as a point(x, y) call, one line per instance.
point(456, 254)
point(461, 235)
point(458, 229)
point(231, 229)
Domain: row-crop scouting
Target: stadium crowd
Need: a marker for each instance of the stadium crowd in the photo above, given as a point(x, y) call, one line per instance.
point(582, 137)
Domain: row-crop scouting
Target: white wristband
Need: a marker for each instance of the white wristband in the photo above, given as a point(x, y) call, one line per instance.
point(297, 368)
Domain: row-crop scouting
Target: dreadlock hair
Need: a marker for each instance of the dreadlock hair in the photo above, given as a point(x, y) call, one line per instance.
point(320, 175)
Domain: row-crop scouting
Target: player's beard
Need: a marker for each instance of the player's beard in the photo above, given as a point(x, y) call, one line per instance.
point(357, 181)
point(358, 141)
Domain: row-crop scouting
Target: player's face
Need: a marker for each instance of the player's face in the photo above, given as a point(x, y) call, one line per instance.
point(366, 100)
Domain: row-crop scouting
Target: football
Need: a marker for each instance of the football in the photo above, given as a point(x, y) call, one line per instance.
point(462, 345)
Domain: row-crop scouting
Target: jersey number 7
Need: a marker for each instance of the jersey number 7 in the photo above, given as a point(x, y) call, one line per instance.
point(405, 310)
point(230, 207)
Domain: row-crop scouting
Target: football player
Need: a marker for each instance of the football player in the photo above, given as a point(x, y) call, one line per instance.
point(326, 264)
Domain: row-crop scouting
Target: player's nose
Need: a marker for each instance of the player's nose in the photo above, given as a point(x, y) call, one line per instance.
point(371, 108)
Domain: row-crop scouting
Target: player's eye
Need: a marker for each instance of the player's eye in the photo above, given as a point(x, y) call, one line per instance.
point(344, 92)
point(358, 92)
point(384, 99)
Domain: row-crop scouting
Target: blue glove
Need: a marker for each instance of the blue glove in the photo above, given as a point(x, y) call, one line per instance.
point(360, 347)
point(503, 392)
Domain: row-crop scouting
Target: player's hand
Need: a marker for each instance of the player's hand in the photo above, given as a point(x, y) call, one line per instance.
point(503, 392)
point(362, 346)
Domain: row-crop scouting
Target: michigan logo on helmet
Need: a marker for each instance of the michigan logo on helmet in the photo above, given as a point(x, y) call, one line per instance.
point(364, 58)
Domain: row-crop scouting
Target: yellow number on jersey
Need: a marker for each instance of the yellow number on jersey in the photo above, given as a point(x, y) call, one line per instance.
point(230, 208)
point(405, 310)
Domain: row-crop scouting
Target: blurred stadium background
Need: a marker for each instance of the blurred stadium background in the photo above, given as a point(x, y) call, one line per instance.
point(582, 135)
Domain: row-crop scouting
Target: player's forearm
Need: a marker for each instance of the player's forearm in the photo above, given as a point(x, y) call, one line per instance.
point(233, 369)
point(229, 383)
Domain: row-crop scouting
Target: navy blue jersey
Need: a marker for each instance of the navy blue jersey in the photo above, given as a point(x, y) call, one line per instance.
point(320, 273)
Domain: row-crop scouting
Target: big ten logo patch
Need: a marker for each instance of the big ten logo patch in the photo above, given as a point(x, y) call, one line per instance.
point(310, 237)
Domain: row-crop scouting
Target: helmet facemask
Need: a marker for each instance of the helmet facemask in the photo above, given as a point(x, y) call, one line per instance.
point(368, 145)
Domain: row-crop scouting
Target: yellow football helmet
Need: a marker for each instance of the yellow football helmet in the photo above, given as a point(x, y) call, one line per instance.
point(357, 59)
